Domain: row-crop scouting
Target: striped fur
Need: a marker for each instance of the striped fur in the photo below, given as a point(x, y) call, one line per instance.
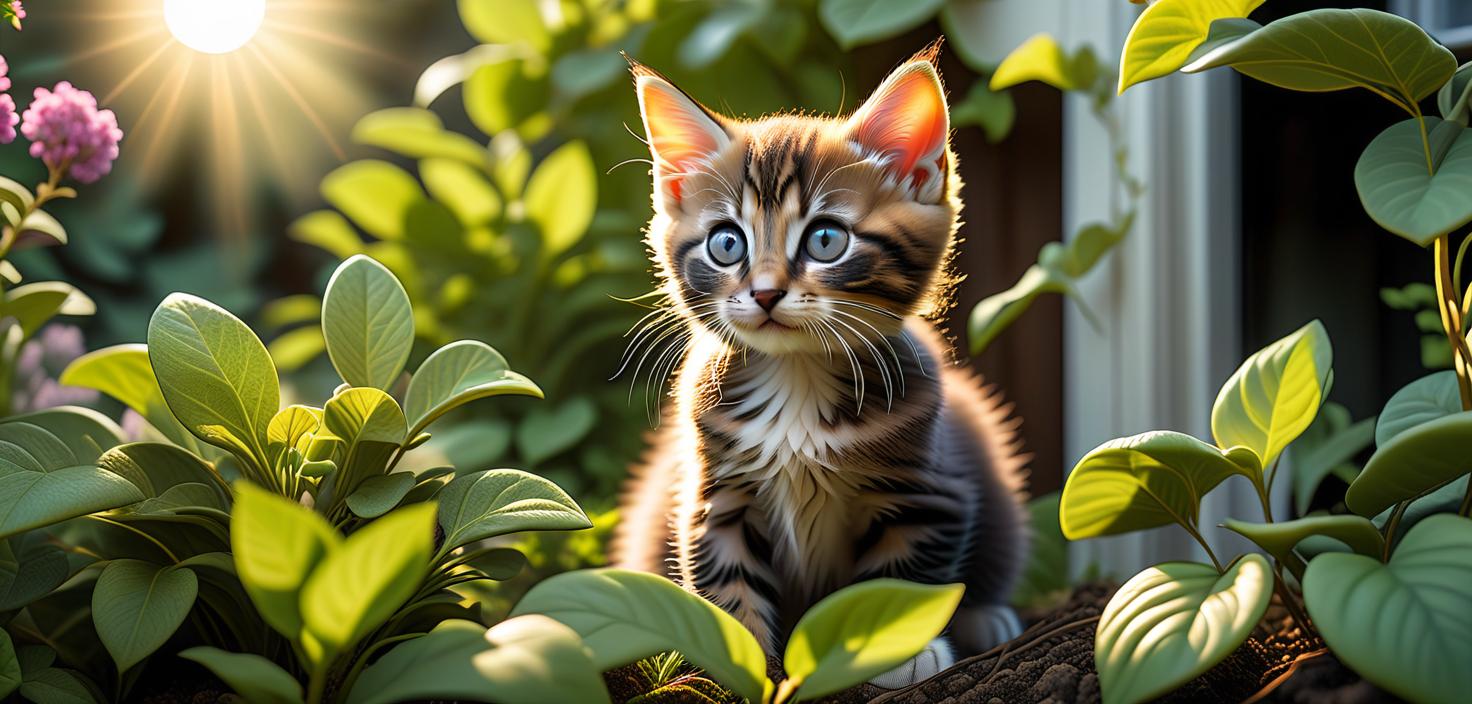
point(832, 438)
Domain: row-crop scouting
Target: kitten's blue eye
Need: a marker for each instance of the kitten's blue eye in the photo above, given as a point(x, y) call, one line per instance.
point(826, 241)
point(726, 245)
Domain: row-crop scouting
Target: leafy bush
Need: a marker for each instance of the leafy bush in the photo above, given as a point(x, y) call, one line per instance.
point(1403, 546)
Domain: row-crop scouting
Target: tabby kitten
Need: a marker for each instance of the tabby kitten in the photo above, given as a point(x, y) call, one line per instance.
point(820, 433)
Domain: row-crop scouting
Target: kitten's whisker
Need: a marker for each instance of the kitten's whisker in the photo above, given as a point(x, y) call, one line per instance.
point(867, 306)
point(626, 162)
point(879, 361)
point(899, 366)
point(853, 363)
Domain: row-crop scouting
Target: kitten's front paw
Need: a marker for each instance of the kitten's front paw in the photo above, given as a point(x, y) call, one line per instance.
point(935, 657)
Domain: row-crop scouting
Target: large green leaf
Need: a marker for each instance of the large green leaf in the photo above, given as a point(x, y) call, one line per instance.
point(368, 577)
point(1273, 397)
point(33, 305)
point(525, 660)
point(277, 544)
point(386, 201)
point(137, 606)
point(368, 323)
point(1279, 539)
point(495, 502)
point(456, 374)
point(54, 685)
point(30, 567)
point(1411, 193)
point(464, 189)
point(10, 674)
point(1166, 33)
point(562, 196)
point(416, 133)
point(1040, 58)
point(1147, 480)
point(1335, 49)
point(251, 676)
point(506, 22)
point(1414, 461)
point(1403, 625)
point(86, 433)
point(1174, 621)
point(624, 616)
point(124, 373)
point(293, 427)
point(364, 415)
point(214, 373)
point(155, 468)
point(378, 495)
point(857, 22)
point(1426, 399)
point(865, 630)
point(549, 431)
point(46, 478)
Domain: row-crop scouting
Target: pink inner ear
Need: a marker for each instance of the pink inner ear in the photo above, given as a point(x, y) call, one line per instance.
point(907, 119)
point(679, 133)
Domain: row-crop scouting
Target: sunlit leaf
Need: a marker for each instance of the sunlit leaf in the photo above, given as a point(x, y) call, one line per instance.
point(562, 196)
point(124, 373)
point(137, 606)
point(456, 374)
point(1165, 34)
point(416, 133)
point(1410, 193)
point(506, 22)
point(1414, 461)
point(277, 543)
point(368, 323)
point(1275, 395)
point(494, 502)
point(1279, 539)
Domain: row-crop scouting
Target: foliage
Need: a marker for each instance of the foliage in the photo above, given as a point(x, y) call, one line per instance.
point(1349, 569)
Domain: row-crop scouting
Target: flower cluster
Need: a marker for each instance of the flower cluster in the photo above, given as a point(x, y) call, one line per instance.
point(67, 131)
point(8, 117)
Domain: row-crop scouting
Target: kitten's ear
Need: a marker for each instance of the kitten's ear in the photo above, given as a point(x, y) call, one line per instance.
point(681, 133)
point(906, 122)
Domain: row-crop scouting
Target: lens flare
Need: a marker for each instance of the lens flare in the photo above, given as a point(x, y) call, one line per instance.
point(214, 26)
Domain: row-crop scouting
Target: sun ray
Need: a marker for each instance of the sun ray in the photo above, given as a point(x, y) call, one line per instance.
point(334, 40)
point(136, 72)
point(117, 44)
point(300, 101)
point(163, 131)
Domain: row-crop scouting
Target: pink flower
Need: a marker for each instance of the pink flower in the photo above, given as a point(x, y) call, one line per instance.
point(68, 131)
point(4, 69)
point(8, 119)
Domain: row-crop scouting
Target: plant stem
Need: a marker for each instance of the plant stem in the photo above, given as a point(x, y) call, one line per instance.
point(1450, 304)
point(1194, 534)
point(317, 683)
point(1390, 527)
point(786, 689)
point(145, 536)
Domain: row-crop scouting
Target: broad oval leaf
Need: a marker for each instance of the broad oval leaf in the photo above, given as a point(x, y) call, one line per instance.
point(378, 495)
point(124, 373)
point(464, 189)
point(456, 374)
point(33, 305)
point(1167, 32)
point(277, 544)
point(1279, 539)
point(1147, 480)
point(368, 577)
point(1414, 461)
point(624, 616)
point(865, 630)
point(1174, 621)
point(46, 478)
point(1335, 49)
point(365, 415)
point(1426, 399)
point(30, 567)
point(214, 373)
point(857, 22)
point(416, 133)
point(155, 468)
point(506, 22)
point(548, 431)
point(525, 660)
point(137, 606)
point(86, 433)
point(368, 323)
point(55, 685)
point(495, 502)
point(293, 428)
point(562, 196)
point(1403, 625)
point(1040, 58)
point(1273, 397)
point(1409, 193)
point(253, 677)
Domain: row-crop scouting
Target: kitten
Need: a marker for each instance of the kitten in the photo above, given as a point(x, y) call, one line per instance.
point(820, 434)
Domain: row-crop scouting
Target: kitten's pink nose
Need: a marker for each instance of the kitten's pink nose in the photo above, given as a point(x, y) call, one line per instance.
point(767, 298)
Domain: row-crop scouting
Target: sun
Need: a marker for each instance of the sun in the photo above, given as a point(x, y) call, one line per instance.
point(214, 26)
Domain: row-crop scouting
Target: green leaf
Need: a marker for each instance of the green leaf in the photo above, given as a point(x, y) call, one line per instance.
point(1167, 32)
point(86, 433)
point(294, 349)
point(1409, 193)
point(387, 202)
point(54, 685)
point(416, 133)
point(214, 373)
point(1040, 58)
point(328, 230)
point(365, 415)
point(562, 196)
point(156, 467)
point(43, 481)
point(504, 94)
point(17, 195)
point(1327, 447)
point(1453, 97)
point(865, 630)
point(625, 616)
point(1273, 397)
point(1414, 461)
point(1088, 246)
point(996, 313)
point(368, 577)
point(506, 22)
point(992, 110)
point(546, 432)
point(277, 544)
point(253, 677)
point(1174, 621)
point(33, 305)
point(1403, 625)
point(463, 189)
point(526, 660)
point(1279, 539)
point(378, 495)
point(1143, 481)
point(856, 22)
point(457, 374)
point(10, 675)
point(40, 230)
point(495, 502)
point(1423, 400)
point(124, 373)
point(30, 567)
point(1334, 49)
point(368, 323)
point(136, 607)
point(293, 427)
